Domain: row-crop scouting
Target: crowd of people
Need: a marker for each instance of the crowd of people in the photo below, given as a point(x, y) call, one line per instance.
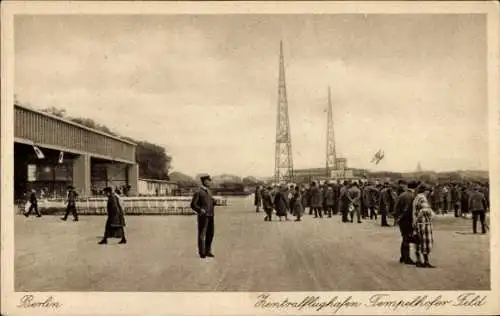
point(411, 205)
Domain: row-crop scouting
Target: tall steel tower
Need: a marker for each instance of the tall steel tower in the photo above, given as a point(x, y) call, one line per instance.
point(331, 157)
point(283, 155)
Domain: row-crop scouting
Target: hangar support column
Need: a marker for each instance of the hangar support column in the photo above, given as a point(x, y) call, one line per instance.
point(81, 175)
point(133, 178)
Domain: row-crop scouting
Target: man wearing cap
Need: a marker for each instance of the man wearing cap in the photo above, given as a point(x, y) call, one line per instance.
point(72, 196)
point(203, 204)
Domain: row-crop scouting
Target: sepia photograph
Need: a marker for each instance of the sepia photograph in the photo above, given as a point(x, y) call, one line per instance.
point(251, 152)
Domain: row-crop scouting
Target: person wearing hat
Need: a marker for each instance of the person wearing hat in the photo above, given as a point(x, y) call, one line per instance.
point(71, 201)
point(316, 200)
point(115, 222)
point(281, 202)
point(257, 198)
point(354, 197)
point(422, 225)
point(403, 210)
point(478, 205)
point(344, 201)
point(329, 200)
point(386, 203)
point(267, 203)
point(33, 205)
point(204, 205)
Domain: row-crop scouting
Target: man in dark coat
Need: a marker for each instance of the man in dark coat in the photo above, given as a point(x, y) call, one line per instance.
point(329, 200)
point(478, 206)
point(204, 205)
point(257, 199)
point(267, 203)
point(455, 199)
point(33, 205)
point(370, 198)
point(464, 200)
point(354, 197)
point(115, 222)
point(386, 203)
point(403, 212)
point(71, 207)
point(281, 202)
point(316, 200)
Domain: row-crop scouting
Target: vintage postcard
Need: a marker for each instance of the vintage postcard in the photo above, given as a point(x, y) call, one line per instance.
point(250, 158)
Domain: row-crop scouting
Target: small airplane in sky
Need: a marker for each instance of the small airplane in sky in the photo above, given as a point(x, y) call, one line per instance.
point(379, 155)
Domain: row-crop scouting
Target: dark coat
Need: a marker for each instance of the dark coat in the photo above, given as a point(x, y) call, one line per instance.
point(202, 199)
point(281, 203)
point(257, 197)
point(330, 197)
point(403, 210)
point(477, 202)
point(386, 200)
point(316, 197)
point(370, 197)
point(267, 200)
point(33, 199)
point(116, 219)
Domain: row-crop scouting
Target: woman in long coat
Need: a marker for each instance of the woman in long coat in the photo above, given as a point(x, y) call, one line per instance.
point(281, 203)
point(422, 226)
point(116, 221)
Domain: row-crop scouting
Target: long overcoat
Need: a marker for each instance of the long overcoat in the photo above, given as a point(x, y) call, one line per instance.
point(116, 219)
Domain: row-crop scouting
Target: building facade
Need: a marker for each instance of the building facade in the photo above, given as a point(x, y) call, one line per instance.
point(51, 153)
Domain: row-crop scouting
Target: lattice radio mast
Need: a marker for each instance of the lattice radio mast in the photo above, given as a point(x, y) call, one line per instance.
point(331, 158)
point(283, 155)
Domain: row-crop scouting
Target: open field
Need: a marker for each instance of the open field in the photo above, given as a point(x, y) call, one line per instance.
point(251, 255)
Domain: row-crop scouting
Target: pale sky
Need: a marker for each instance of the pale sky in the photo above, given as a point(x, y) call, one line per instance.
point(205, 87)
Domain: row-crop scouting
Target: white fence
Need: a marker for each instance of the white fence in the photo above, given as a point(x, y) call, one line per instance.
point(132, 205)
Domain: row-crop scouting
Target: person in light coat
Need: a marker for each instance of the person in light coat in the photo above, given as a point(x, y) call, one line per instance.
point(422, 226)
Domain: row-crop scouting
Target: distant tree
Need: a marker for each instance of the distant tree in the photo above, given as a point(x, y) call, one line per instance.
point(154, 163)
point(251, 181)
point(55, 111)
point(182, 179)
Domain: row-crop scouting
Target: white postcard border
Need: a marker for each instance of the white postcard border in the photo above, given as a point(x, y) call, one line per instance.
point(97, 303)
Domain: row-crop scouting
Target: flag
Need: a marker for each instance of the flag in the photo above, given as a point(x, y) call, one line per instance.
point(38, 152)
point(61, 157)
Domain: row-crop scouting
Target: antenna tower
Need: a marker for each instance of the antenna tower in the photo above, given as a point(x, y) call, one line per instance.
point(283, 155)
point(331, 158)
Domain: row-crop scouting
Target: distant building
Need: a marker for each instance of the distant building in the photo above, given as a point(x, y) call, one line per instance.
point(319, 174)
